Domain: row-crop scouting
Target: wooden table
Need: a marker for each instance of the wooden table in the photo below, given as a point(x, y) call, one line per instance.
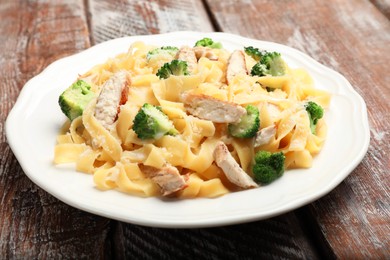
point(352, 37)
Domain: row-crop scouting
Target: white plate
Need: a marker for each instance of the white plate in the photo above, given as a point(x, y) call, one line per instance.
point(34, 122)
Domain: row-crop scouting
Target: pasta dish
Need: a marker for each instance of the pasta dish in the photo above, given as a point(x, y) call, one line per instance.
point(191, 121)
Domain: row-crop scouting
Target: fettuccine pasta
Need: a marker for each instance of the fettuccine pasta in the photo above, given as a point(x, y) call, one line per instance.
point(118, 159)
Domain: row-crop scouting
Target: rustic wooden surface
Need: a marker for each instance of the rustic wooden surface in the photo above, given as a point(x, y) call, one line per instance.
point(352, 37)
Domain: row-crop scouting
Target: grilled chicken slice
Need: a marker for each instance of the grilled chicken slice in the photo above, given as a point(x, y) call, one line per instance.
point(236, 65)
point(187, 54)
point(215, 110)
point(167, 178)
point(113, 94)
point(234, 173)
point(201, 51)
point(264, 136)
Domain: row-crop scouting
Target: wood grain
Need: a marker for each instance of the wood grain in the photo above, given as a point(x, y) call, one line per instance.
point(112, 19)
point(33, 224)
point(275, 238)
point(383, 6)
point(353, 38)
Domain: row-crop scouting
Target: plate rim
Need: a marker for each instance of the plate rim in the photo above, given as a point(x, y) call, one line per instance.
point(24, 95)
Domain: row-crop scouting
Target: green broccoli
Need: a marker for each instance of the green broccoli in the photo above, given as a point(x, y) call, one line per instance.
point(315, 112)
point(207, 42)
point(268, 166)
point(259, 70)
point(151, 123)
point(175, 67)
point(255, 53)
point(270, 63)
point(75, 98)
point(165, 50)
point(248, 125)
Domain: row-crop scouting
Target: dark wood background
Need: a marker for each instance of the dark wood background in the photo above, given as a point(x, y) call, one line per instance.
point(352, 37)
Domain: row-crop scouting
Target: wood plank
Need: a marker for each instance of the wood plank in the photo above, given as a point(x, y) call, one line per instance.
point(279, 237)
point(34, 224)
point(383, 6)
point(112, 19)
point(353, 38)
point(275, 238)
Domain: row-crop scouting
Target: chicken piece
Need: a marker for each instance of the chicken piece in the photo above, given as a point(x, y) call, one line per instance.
point(264, 136)
point(113, 94)
point(187, 54)
point(236, 65)
point(215, 110)
point(167, 178)
point(233, 172)
point(201, 51)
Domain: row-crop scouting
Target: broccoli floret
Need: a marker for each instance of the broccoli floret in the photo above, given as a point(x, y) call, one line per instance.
point(165, 50)
point(175, 67)
point(255, 53)
point(75, 98)
point(248, 125)
point(207, 42)
point(268, 166)
point(259, 70)
point(315, 112)
point(151, 123)
point(271, 63)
